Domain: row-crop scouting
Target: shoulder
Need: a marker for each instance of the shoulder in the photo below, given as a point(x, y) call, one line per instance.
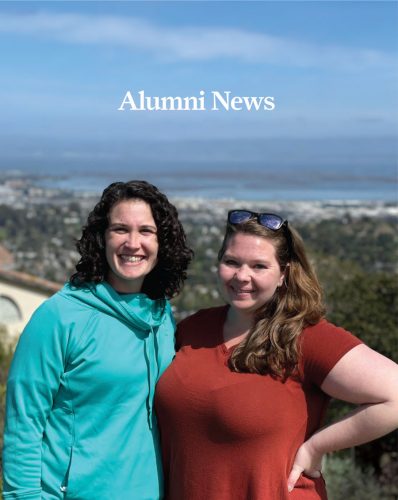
point(321, 346)
point(200, 325)
point(50, 309)
point(168, 320)
point(203, 315)
point(56, 316)
point(326, 335)
point(60, 305)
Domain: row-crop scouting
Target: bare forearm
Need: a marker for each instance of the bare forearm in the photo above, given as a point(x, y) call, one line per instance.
point(363, 377)
point(364, 424)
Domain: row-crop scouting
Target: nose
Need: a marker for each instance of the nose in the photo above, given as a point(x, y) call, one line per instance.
point(242, 274)
point(133, 240)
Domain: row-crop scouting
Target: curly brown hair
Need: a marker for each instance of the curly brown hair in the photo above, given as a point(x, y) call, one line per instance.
point(167, 277)
point(272, 346)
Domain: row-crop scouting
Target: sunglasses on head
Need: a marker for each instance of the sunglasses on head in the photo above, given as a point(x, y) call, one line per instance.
point(270, 221)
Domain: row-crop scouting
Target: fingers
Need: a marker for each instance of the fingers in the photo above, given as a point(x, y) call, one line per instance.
point(294, 476)
point(296, 473)
point(313, 473)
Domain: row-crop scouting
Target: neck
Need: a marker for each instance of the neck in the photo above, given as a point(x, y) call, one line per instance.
point(124, 286)
point(236, 326)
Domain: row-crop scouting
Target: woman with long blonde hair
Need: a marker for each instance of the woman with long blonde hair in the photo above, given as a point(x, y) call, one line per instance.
point(241, 407)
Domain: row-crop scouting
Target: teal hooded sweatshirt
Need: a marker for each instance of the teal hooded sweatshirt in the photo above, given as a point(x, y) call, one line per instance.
point(79, 416)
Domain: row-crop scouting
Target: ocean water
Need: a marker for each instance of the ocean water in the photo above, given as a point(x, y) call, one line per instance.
point(243, 185)
point(291, 168)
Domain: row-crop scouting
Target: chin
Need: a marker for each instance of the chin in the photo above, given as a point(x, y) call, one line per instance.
point(242, 306)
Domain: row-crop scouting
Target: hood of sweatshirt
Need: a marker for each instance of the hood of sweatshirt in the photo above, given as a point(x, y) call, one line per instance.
point(137, 310)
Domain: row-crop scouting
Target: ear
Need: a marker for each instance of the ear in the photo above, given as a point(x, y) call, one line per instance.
point(283, 276)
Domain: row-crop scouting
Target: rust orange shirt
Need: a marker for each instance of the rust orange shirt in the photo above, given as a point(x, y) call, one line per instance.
point(234, 436)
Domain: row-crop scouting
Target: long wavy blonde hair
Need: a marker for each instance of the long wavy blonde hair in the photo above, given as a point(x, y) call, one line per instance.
point(272, 347)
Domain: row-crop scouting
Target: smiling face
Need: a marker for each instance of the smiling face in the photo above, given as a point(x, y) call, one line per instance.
point(131, 245)
point(248, 272)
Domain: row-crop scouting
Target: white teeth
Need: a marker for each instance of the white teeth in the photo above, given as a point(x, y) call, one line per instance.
point(131, 258)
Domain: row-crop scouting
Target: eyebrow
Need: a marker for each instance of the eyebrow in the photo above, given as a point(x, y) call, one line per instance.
point(256, 261)
point(123, 224)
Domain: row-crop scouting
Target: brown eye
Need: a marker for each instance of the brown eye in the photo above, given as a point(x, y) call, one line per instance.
point(230, 262)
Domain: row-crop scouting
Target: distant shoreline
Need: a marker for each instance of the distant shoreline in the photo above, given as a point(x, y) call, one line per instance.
point(21, 192)
point(276, 188)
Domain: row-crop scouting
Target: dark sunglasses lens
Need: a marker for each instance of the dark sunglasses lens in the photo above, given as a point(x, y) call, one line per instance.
point(271, 221)
point(239, 216)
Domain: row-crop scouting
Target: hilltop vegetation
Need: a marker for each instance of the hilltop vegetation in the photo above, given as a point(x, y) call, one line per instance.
point(357, 262)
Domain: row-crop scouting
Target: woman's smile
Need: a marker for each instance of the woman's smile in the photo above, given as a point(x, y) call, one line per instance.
point(131, 245)
point(249, 272)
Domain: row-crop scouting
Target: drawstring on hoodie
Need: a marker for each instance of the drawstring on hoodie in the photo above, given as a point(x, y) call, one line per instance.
point(140, 312)
point(152, 371)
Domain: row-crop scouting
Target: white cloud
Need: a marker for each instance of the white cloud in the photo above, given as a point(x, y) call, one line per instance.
point(189, 43)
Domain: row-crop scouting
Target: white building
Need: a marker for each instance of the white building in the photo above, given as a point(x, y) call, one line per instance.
point(20, 295)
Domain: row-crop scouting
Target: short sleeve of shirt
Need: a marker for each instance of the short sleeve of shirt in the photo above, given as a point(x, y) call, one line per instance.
point(321, 347)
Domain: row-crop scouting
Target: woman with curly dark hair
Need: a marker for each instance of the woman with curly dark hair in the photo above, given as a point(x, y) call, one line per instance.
point(80, 422)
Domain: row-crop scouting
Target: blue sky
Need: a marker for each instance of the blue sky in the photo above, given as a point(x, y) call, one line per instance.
point(331, 67)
